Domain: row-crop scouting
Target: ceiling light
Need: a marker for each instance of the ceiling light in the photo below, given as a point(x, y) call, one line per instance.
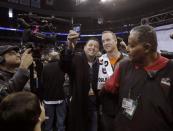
point(83, 0)
point(100, 20)
point(10, 13)
point(104, 1)
point(78, 2)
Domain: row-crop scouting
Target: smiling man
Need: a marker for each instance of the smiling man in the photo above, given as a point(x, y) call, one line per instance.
point(82, 68)
point(143, 83)
point(107, 63)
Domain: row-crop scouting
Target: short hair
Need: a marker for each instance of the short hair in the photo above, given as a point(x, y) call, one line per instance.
point(19, 111)
point(147, 34)
point(113, 34)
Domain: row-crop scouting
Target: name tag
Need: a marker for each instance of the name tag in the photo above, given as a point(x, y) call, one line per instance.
point(129, 106)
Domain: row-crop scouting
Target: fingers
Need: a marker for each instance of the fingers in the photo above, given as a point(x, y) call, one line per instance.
point(72, 35)
point(28, 51)
point(123, 44)
point(26, 59)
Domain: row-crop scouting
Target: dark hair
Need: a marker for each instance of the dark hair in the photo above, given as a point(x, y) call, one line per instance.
point(19, 111)
point(92, 38)
point(147, 34)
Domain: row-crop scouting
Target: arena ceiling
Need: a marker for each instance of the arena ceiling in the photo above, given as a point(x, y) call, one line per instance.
point(96, 16)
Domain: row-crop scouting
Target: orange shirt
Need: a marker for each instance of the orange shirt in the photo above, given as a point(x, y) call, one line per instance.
point(113, 61)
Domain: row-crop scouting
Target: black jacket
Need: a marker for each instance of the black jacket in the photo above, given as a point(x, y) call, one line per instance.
point(10, 82)
point(77, 66)
point(52, 81)
point(154, 94)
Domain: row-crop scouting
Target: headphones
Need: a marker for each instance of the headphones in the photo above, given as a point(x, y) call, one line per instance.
point(2, 60)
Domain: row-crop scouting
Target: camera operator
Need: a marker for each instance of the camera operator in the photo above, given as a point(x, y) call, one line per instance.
point(14, 72)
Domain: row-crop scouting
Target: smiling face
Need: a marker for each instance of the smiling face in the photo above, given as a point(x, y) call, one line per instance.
point(91, 48)
point(109, 41)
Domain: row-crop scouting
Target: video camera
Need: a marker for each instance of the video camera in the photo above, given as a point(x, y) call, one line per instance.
point(34, 36)
point(167, 54)
point(37, 41)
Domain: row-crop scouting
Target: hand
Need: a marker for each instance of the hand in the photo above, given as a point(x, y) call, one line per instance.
point(43, 116)
point(26, 59)
point(123, 45)
point(72, 38)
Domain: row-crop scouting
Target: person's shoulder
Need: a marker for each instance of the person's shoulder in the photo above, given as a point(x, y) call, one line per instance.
point(171, 62)
point(50, 64)
point(125, 62)
point(100, 59)
point(4, 75)
point(79, 53)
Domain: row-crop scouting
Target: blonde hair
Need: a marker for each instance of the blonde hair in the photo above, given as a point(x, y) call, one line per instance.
point(113, 34)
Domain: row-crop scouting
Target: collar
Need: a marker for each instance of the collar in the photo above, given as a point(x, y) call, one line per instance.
point(159, 63)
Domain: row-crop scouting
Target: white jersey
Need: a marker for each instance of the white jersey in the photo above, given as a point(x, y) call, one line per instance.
point(105, 70)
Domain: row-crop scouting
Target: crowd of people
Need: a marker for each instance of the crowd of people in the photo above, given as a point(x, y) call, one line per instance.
point(129, 90)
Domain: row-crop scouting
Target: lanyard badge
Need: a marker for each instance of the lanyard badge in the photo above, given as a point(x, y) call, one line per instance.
point(129, 107)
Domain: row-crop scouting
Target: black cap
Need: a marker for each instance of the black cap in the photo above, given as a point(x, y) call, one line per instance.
point(6, 48)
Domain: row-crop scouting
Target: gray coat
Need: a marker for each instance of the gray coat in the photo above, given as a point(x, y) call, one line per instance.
point(10, 82)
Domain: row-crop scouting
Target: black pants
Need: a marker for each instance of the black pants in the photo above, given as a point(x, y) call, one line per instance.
point(107, 122)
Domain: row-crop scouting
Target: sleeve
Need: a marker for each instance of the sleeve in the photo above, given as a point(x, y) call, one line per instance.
point(18, 81)
point(66, 60)
point(112, 84)
point(171, 94)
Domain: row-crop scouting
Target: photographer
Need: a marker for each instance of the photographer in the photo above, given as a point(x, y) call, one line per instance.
point(13, 69)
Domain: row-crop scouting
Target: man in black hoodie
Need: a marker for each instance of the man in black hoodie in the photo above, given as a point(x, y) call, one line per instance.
point(53, 94)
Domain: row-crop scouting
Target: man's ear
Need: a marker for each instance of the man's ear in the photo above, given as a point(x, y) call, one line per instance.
point(147, 47)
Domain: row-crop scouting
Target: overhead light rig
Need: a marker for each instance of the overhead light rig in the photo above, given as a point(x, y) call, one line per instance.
point(159, 18)
point(37, 17)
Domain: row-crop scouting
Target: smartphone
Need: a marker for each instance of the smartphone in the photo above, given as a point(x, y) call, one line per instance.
point(77, 28)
